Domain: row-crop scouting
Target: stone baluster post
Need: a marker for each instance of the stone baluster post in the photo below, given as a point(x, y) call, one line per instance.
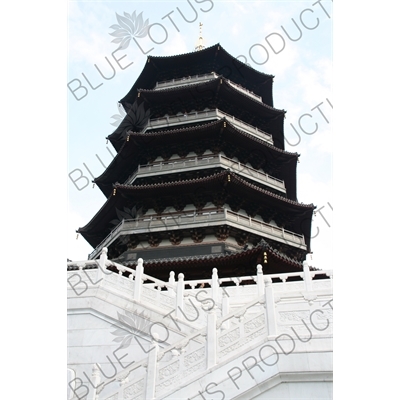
point(138, 280)
point(211, 339)
point(179, 295)
point(151, 375)
point(102, 264)
point(307, 277)
point(260, 280)
point(95, 381)
point(270, 307)
point(171, 280)
point(225, 310)
point(215, 285)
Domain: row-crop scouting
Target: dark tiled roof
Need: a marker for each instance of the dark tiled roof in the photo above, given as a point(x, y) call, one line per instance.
point(234, 178)
point(97, 228)
point(215, 82)
point(127, 158)
point(212, 59)
point(211, 94)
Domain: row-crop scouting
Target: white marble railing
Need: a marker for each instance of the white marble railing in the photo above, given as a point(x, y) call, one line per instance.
point(174, 293)
point(223, 331)
point(195, 163)
point(202, 116)
point(186, 220)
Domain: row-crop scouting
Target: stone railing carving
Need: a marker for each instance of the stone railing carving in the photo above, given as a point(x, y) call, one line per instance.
point(222, 329)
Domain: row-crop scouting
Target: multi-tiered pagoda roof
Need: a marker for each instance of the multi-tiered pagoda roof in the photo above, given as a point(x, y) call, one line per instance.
point(141, 148)
point(214, 58)
point(202, 178)
point(215, 93)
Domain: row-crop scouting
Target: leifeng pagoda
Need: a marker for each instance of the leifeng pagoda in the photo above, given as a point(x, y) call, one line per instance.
point(201, 178)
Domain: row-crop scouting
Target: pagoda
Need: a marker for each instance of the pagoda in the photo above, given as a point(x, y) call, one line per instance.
point(201, 178)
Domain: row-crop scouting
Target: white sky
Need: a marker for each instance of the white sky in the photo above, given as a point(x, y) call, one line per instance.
point(302, 69)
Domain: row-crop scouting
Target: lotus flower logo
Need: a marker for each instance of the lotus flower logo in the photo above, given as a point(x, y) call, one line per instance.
point(135, 120)
point(126, 214)
point(137, 324)
point(130, 26)
point(118, 117)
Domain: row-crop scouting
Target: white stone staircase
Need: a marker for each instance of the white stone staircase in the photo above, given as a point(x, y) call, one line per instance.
point(198, 339)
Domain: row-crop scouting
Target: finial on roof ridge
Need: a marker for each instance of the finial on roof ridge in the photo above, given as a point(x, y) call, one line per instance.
point(200, 40)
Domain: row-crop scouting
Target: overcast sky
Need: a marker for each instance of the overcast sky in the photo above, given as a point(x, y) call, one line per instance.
point(256, 32)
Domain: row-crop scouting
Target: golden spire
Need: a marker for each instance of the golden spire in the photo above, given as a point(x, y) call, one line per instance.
point(200, 41)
